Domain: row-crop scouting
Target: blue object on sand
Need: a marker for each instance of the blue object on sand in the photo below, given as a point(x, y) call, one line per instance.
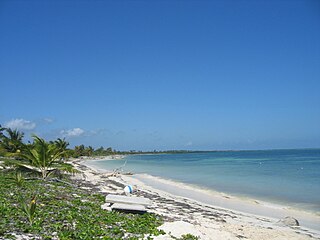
point(128, 189)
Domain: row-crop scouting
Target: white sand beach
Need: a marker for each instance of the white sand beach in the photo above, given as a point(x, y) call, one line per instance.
point(223, 217)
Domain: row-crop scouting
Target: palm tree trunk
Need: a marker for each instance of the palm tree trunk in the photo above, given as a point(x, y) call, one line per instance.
point(44, 173)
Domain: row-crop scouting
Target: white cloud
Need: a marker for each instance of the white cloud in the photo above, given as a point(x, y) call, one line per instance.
point(188, 144)
point(48, 120)
point(20, 124)
point(100, 131)
point(75, 132)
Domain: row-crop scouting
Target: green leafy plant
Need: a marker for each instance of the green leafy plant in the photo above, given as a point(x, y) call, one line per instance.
point(29, 209)
point(186, 237)
point(19, 179)
point(42, 157)
point(189, 237)
point(10, 140)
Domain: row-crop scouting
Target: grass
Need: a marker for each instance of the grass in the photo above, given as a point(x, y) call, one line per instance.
point(61, 211)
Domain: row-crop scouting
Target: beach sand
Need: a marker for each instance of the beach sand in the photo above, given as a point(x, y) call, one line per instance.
point(185, 215)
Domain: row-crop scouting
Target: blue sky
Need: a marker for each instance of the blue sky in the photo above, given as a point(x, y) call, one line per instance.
point(150, 75)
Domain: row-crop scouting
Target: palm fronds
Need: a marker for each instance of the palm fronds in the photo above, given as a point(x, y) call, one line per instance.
point(42, 157)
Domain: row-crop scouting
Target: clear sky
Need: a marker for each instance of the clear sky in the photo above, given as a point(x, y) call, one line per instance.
point(162, 74)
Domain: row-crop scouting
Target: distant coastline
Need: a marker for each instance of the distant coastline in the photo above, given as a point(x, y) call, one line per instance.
point(208, 151)
point(134, 152)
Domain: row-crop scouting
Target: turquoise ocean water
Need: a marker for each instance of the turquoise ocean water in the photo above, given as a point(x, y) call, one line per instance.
point(290, 177)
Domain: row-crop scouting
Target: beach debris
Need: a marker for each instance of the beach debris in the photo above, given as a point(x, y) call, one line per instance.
point(111, 198)
point(116, 173)
point(133, 208)
point(128, 190)
point(127, 203)
point(106, 206)
point(290, 221)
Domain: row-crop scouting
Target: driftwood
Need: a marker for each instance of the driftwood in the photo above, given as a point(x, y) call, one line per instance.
point(115, 174)
point(119, 171)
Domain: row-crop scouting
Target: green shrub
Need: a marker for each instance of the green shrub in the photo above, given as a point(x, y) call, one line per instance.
point(29, 208)
point(19, 179)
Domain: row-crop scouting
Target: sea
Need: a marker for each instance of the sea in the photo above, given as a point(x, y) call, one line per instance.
point(288, 177)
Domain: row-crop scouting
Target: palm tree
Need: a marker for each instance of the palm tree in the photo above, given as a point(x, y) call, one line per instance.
point(89, 151)
point(43, 157)
point(12, 141)
point(1, 132)
point(79, 150)
point(2, 150)
point(62, 144)
point(15, 134)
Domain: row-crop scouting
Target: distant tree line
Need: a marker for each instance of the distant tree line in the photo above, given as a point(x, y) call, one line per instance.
point(82, 150)
point(11, 141)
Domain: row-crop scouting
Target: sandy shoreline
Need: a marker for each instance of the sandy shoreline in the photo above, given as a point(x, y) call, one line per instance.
point(227, 201)
point(100, 158)
point(212, 219)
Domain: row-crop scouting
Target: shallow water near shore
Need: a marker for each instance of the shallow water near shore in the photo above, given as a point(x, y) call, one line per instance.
point(287, 177)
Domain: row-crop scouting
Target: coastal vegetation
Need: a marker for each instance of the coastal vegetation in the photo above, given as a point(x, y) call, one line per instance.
point(48, 209)
point(34, 204)
point(40, 156)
